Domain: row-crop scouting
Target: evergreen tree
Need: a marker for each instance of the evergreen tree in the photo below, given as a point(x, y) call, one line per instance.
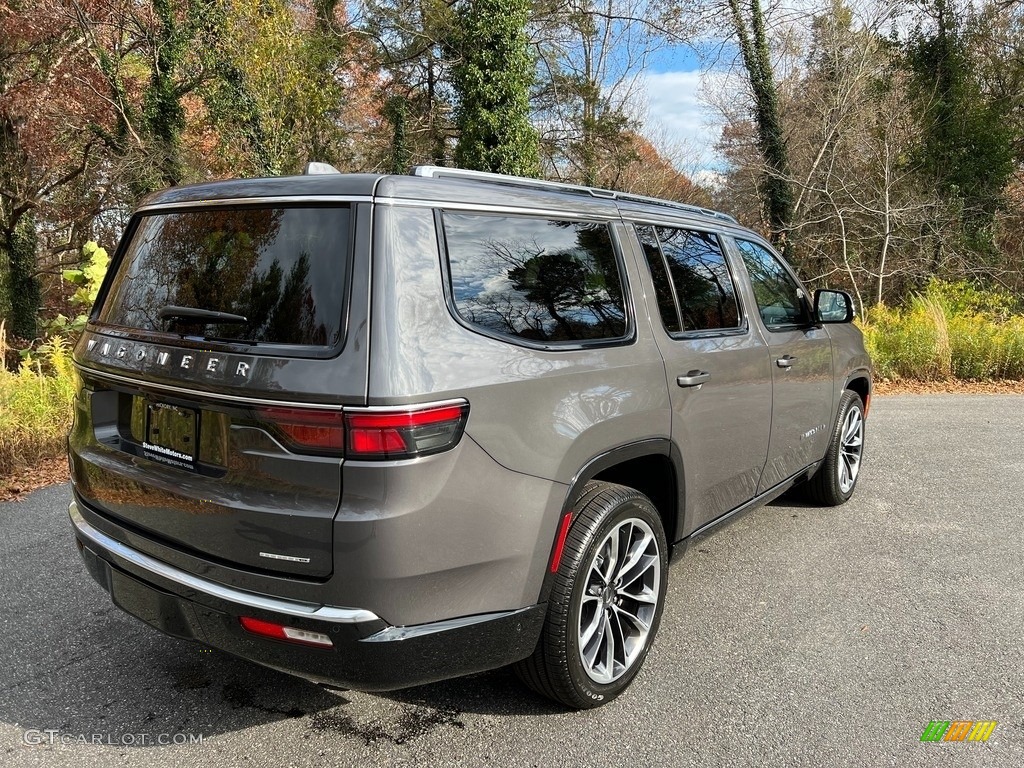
point(777, 191)
point(492, 78)
point(26, 296)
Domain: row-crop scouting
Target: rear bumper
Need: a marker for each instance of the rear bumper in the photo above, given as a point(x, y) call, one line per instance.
point(367, 653)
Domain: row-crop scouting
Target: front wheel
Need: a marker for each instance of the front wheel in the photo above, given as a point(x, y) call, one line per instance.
point(606, 601)
point(836, 478)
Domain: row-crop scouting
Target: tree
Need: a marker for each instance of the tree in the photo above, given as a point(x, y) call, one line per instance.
point(967, 142)
point(50, 114)
point(492, 80)
point(591, 56)
point(752, 36)
point(410, 39)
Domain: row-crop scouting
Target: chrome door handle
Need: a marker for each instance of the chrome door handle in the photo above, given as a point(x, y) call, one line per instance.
point(786, 361)
point(693, 378)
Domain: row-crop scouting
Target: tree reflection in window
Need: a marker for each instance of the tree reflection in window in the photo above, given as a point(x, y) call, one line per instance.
point(779, 299)
point(704, 287)
point(533, 278)
point(283, 269)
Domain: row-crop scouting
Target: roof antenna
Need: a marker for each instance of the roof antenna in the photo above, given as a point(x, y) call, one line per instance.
point(316, 169)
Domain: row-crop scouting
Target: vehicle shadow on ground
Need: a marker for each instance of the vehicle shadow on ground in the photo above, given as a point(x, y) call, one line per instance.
point(135, 685)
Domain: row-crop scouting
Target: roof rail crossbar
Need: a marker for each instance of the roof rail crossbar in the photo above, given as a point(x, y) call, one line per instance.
point(435, 171)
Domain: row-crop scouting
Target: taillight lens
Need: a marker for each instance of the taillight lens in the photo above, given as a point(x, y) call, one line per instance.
point(308, 428)
point(386, 433)
point(405, 433)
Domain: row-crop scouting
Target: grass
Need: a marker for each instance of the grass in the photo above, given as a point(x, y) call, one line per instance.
point(35, 406)
point(949, 332)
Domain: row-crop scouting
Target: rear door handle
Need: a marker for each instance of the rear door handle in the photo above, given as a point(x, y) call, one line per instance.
point(693, 378)
point(786, 361)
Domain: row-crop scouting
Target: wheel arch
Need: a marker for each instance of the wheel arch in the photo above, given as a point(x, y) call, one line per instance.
point(859, 381)
point(652, 466)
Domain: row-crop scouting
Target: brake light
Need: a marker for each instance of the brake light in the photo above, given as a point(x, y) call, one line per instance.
point(384, 433)
point(283, 632)
point(404, 433)
point(308, 428)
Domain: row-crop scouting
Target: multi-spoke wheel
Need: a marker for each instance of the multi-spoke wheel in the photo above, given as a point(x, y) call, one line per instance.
point(605, 602)
point(836, 478)
point(850, 446)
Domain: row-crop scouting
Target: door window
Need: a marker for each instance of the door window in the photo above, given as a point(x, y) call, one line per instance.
point(780, 299)
point(693, 285)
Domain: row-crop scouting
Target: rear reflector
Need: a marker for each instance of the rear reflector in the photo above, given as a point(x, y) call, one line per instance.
point(286, 633)
point(405, 433)
point(563, 532)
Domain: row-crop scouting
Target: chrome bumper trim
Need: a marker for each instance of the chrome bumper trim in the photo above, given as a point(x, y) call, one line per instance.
point(248, 599)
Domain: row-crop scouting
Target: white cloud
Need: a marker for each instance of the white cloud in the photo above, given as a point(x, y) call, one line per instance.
point(679, 119)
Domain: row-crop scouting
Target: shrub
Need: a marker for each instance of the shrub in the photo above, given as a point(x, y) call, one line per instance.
point(951, 330)
point(35, 405)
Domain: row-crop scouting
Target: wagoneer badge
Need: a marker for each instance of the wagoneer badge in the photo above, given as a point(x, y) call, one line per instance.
point(144, 357)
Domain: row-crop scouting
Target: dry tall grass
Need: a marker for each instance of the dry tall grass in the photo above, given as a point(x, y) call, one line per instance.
point(35, 405)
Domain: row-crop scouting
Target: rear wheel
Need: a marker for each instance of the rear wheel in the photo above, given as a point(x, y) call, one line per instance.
point(834, 482)
point(606, 601)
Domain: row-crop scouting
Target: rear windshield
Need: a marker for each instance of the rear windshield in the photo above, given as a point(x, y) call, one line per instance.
point(282, 269)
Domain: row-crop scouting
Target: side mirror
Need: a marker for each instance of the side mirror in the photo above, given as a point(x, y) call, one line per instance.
point(833, 306)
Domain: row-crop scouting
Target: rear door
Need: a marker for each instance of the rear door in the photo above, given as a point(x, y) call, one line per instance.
point(801, 364)
point(717, 370)
point(215, 367)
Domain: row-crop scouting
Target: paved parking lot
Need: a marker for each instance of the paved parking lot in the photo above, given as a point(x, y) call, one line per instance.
point(793, 636)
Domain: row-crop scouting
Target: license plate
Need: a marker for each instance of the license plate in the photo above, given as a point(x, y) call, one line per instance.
point(171, 435)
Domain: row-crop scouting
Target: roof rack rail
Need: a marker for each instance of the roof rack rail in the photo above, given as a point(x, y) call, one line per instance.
point(435, 171)
point(631, 198)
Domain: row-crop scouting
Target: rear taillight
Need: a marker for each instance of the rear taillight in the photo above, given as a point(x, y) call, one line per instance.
point(376, 434)
point(308, 428)
point(404, 433)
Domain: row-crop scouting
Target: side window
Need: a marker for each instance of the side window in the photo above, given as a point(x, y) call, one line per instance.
point(699, 274)
point(662, 287)
point(538, 279)
point(779, 299)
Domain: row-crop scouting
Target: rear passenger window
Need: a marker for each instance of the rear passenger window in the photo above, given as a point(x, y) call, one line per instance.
point(662, 287)
point(699, 277)
point(538, 279)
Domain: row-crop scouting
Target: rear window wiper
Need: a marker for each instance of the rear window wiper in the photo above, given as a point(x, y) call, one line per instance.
point(172, 311)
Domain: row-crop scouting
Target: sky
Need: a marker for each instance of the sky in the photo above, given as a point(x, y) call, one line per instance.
point(673, 86)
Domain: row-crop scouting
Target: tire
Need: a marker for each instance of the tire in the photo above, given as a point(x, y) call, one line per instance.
point(836, 479)
point(593, 604)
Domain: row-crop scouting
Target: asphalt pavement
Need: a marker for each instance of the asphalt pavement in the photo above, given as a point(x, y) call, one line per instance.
point(793, 636)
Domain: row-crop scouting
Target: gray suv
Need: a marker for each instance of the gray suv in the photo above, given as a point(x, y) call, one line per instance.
point(378, 431)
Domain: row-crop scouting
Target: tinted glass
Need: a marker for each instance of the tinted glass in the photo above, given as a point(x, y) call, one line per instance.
point(662, 287)
point(283, 269)
point(697, 266)
point(779, 299)
point(537, 279)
